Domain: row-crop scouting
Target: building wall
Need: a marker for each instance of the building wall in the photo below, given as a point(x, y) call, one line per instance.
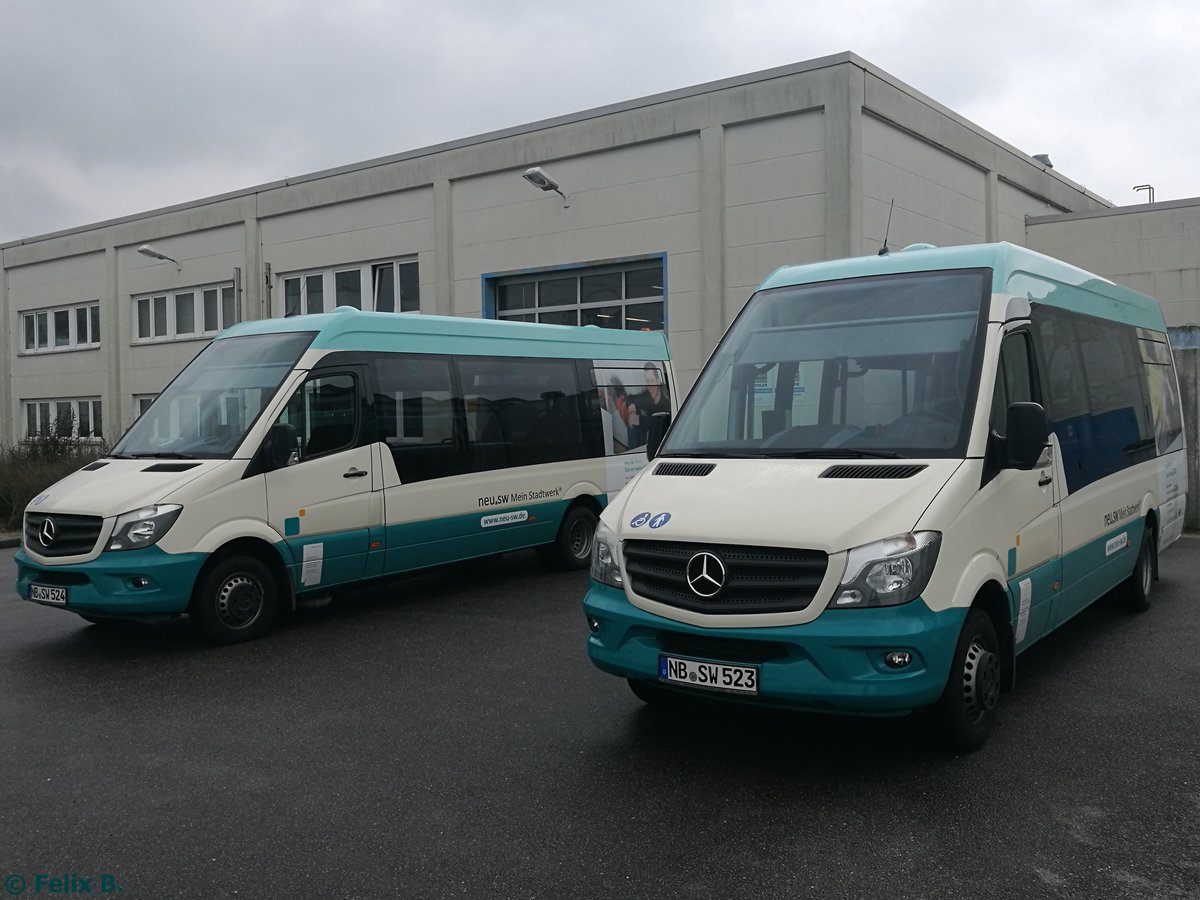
point(1152, 248)
point(1155, 249)
point(728, 181)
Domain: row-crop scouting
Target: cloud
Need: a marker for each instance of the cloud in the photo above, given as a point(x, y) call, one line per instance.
point(124, 106)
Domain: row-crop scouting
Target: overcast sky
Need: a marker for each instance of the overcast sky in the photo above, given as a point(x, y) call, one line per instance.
point(112, 107)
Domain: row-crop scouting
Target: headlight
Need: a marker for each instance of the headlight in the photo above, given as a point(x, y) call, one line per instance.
point(143, 527)
point(605, 555)
point(888, 572)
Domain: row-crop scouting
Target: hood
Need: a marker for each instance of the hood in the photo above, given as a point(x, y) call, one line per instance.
point(121, 485)
point(778, 503)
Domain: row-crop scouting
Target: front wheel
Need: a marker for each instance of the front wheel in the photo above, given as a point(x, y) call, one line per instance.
point(572, 548)
point(967, 708)
point(1141, 583)
point(235, 600)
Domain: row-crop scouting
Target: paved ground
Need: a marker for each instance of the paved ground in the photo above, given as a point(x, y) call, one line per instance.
point(448, 738)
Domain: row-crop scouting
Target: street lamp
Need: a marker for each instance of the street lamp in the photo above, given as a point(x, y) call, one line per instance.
point(539, 179)
point(154, 253)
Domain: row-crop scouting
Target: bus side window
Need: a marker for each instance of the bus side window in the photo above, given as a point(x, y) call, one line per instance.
point(324, 412)
point(1014, 381)
point(419, 416)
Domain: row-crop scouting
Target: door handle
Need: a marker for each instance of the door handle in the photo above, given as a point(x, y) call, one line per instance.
point(354, 473)
point(1042, 482)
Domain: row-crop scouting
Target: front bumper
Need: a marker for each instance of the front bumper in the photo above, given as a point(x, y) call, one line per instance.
point(834, 663)
point(106, 586)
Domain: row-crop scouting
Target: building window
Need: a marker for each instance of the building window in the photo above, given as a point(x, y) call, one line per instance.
point(66, 328)
point(80, 418)
point(392, 286)
point(627, 295)
point(184, 315)
point(141, 402)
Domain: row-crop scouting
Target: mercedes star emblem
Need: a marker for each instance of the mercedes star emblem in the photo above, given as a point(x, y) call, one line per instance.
point(705, 575)
point(47, 534)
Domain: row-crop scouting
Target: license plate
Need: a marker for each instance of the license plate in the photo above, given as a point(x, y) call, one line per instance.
point(712, 676)
point(48, 593)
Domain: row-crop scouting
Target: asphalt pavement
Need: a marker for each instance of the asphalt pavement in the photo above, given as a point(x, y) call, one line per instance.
point(447, 737)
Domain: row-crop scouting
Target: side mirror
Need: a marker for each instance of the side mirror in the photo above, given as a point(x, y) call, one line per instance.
point(655, 431)
point(1028, 434)
point(280, 445)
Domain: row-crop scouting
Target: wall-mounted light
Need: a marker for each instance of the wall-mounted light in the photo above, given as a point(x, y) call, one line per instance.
point(539, 179)
point(154, 253)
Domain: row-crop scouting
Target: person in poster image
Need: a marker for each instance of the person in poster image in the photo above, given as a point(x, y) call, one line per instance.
point(652, 401)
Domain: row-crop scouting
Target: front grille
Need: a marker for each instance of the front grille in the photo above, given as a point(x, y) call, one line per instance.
point(73, 535)
point(757, 579)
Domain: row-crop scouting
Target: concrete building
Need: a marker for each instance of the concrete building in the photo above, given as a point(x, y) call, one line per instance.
point(676, 206)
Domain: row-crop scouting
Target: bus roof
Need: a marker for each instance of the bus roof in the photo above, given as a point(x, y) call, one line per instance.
point(350, 329)
point(1015, 270)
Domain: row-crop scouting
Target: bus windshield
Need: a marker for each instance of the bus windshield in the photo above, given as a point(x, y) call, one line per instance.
point(207, 410)
point(884, 366)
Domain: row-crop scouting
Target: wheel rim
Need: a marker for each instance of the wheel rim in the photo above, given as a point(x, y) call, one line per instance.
point(1147, 571)
point(981, 681)
point(239, 601)
point(579, 538)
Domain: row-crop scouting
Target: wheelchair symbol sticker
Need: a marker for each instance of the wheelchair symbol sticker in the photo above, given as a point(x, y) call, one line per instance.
point(639, 520)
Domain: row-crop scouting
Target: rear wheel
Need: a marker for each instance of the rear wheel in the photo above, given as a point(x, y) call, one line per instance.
point(235, 600)
point(572, 548)
point(1141, 583)
point(967, 708)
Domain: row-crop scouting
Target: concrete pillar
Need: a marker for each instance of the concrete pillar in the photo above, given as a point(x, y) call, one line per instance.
point(713, 317)
point(991, 193)
point(116, 330)
point(843, 164)
point(443, 253)
point(8, 346)
point(254, 288)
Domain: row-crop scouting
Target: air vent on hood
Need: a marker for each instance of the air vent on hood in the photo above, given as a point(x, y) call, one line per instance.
point(871, 471)
point(170, 467)
point(94, 466)
point(696, 470)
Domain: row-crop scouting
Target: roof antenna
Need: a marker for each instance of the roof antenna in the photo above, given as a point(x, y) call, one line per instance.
point(883, 251)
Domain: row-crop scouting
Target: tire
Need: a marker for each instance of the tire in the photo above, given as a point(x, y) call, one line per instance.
point(235, 600)
point(1140, 585)
point(572, 548)
point(967, 708)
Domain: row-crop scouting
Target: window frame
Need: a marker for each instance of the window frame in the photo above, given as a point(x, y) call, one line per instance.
point(551, 312)
point(45, 328)
point(368, 287)
point(46, 416)
point(170, 308)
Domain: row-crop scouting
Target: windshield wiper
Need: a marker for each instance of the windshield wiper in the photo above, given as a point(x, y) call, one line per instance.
point(715, 454)
point(833, 453)
point(166, 454)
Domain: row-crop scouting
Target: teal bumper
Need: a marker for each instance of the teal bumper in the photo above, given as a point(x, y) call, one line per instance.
point(833, 664)
point(111, 584)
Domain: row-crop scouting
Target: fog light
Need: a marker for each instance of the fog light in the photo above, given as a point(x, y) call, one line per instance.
point(897, 659)
point(593, 624)
point(139, 581)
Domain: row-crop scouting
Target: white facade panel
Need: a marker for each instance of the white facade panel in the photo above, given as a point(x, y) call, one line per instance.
point(939, 199)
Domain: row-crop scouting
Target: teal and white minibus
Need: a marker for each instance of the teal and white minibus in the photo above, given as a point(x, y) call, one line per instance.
point(894, 475)
point(293, 457)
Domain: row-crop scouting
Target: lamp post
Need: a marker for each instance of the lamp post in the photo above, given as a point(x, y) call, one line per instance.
point(154, 253)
